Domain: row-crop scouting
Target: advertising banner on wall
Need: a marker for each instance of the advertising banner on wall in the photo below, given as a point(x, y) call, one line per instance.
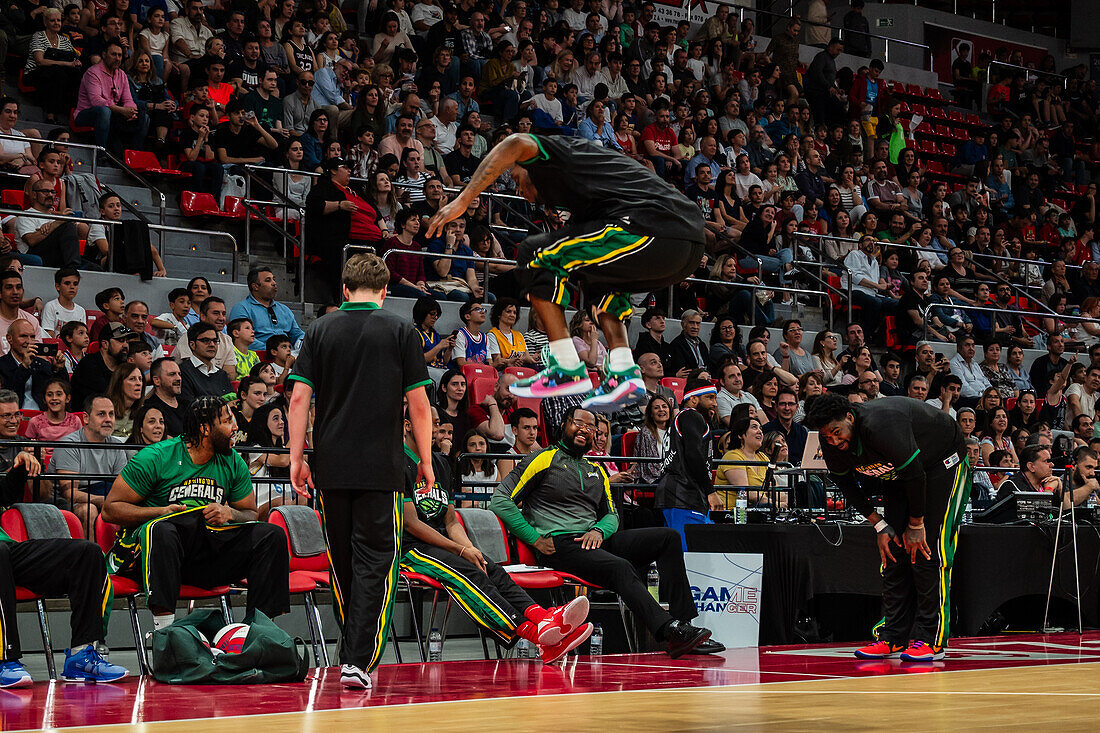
point(726, 589)
point(946, 44)
point(671, 12)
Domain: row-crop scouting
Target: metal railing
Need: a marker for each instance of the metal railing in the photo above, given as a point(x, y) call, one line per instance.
point(96, 151)
point(1029, 315)
point(841, 32)
point(35, 214)
point(1028, 72)
point(486, 261)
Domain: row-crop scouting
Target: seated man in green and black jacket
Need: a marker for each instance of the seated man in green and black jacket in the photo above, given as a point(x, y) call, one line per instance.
point(560, 503)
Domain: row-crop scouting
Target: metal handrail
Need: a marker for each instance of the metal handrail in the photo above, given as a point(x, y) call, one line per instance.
point(1021, 314)
point(1028, 70)
point(34, 213)
point(841, 31)
point(96, 149)
point(422, 253)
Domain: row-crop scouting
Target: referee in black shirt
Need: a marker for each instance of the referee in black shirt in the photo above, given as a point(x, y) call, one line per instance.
point(361, 361)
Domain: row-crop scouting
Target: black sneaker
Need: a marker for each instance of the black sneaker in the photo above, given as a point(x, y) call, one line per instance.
point(710, 646)
point(683, 637)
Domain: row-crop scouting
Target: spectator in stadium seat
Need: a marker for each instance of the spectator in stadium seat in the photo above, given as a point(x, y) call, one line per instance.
point(212, 313)
point(268, 315)
point(329, 88)
point(23, 371)
point(197, 153)
point(85, 496)
point(786, 403)
point(189, 35)
point(104, 103)
point(659, 143)
point(167, 385)
point(490, 416)
point(652, 339)
point(200, 375)
point(575, 530)
point(461, 162)
point(63, 308)
point(14, 155)
point(264, 103)
point(11, 298)
point(732, 392)
point(869, 290)
point(136, 318)
point(93, 374)
point(49, 242)
point(55, 77)
point(56, 419)
point(523, 433)
point(471, 345)
point(299, 107)
point(241, 140)
point(171, 493)
point(688, 350)
point(402, 137)
point(74, 343)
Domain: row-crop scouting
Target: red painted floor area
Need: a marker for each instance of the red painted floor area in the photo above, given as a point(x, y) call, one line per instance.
point(62, 705)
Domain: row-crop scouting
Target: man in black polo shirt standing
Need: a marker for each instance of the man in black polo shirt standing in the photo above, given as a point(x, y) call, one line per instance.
point(360, 361)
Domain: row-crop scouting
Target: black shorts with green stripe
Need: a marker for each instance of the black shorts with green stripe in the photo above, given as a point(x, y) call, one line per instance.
point(604, 260)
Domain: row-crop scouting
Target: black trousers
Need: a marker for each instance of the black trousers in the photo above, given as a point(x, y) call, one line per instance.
point(491, 597)
point(56, 88)
point(60, 248)
point(54, 568)
point(916, 596)
point(363, 534)
point(181, 548)
point(621, 564)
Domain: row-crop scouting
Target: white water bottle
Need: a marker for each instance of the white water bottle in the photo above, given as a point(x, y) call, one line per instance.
point(595, 642)
point(653, 582)
point(435, 646)
point(523, 649)
point(968, 513)
point(742, 507)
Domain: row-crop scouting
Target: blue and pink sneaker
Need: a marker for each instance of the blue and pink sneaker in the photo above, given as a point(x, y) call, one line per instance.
point(553, 381)
point(618, 391)
point(14, 674)
point(87, 665)
point(920, 651)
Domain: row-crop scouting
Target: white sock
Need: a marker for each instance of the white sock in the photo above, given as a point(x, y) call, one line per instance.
point(620, 359)
point(163, 622)
point(565, 353)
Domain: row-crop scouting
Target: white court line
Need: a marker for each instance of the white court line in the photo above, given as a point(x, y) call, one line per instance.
point(733, 687)
point(712, 669)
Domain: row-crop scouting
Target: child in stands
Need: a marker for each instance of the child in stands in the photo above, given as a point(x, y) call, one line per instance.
point(171, 327)
point(75, 339)
point(243, 333)
point(278, 351)
point(55, 421)
point(63, 308)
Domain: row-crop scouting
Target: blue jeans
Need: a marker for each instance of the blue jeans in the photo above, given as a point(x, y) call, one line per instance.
point(767, 263)
point(401, 290)
point(111, 131)
point(33, 260)
point(505, 102)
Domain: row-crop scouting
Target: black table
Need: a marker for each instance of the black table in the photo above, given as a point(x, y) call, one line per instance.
point(993, 565)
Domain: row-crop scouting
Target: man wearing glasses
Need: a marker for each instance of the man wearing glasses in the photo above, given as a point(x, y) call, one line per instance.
point(200, 375)
point(570, 519)
point(269, 317)
point(49, 242)
point(918, 456)
point(298, 107)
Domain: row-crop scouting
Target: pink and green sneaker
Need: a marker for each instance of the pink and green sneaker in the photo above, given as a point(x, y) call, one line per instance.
point(618, 391)
point(553, 381)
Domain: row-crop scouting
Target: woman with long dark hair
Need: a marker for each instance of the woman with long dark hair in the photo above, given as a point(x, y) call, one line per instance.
point(653, 439)
point(452, 401)
point(314, 139)
point(148, 426)
point(268, 430)
point(470, 469)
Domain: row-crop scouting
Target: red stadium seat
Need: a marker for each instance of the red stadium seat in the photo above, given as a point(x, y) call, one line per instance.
point(520, 372)
point(14, 197)
point(676, 385)
point(306, 573)
point(193, 203)
point(474, 371)
point(480, 388)
point(145, 161)
point(24, 87)
point(234, 207)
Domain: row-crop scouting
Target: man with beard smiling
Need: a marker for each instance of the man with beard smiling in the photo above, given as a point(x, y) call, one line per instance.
point(569, 517)
point(187, 514)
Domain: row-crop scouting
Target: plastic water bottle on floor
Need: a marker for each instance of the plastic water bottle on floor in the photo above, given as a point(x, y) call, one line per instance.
point(435, 646)
point(595, 642)
point(742, 512)
point(523, 649)
point(653, 582)
point(968, 513)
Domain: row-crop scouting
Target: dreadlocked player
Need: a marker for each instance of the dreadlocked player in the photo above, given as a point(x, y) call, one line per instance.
point(187, 514)
point(630, 232)
point(919, 454)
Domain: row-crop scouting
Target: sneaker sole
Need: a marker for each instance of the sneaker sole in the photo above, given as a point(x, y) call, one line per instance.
point(354, 680)
point(688, 647)
point(583, 386)
point(933, 658)
point(576, 613)
point(625, 395)
point(25, 682)
point(95, 680)
point(576, 642)
point(864, 655)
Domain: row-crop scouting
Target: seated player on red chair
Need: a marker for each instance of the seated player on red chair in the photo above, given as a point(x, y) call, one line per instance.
point(569, 516)
point(62, 567)
point(436, 545)
point(187, 514)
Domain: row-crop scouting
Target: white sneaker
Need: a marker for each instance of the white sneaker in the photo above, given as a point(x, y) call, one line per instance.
point(353, 677)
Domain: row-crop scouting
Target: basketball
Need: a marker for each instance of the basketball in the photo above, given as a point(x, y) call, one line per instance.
point(230, 639)
point(214, 651)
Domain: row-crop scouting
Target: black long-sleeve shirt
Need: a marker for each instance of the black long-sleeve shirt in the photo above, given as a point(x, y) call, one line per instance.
point(687, 479)
point(901, 441)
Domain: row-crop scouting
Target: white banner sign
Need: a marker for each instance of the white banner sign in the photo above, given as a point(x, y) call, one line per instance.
point(726, 589)
point(671, 12)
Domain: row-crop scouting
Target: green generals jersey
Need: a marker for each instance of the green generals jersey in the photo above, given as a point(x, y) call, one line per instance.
point(163, 474)
point(901, 441)
point(431, 506)
point(597, 184)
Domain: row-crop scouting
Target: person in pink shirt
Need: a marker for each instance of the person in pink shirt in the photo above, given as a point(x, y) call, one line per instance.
point(104, 102)
point(55, 421)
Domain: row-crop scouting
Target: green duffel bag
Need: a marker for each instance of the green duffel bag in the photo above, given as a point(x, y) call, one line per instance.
point(182, 656)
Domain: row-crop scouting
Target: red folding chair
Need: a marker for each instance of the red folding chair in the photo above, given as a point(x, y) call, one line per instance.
point(307, 572)
point(473, 371)
point(520, 372)
point(676, 385)
point(145, 161)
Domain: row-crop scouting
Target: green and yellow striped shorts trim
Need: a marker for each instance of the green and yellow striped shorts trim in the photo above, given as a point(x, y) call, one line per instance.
point(607, 244)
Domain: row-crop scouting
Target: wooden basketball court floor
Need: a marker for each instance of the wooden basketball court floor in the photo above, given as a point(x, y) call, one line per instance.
point(995, 683)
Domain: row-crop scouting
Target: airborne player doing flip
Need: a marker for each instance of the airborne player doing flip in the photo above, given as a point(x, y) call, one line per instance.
point(630, 232)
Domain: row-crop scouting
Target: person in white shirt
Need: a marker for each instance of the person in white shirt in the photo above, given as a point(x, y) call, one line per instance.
point(963, 366)
point(732, 393)
point(171, 328)
point(1081, 398)
point(575, 15)
point(446, 126)
point(548, 101)
point(424, 16)
point(612, 76)
point(869, 288)
point(471, 345)
point(588, 76)
point(63, 309)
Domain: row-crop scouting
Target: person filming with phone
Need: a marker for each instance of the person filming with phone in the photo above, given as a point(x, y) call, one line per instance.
point(24, 370)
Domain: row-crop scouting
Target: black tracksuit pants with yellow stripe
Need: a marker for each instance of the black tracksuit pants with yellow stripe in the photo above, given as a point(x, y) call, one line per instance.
point(55, 568)
point(491, 598)
point(916, 596)
point(363, 535)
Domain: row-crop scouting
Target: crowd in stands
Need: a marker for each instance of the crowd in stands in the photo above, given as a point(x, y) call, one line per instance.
point(122, 374)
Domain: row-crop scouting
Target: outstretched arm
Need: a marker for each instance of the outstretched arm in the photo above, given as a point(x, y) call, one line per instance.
point(515, 148)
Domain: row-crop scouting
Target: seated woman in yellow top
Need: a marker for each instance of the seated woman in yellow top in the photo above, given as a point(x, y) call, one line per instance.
point(749, 436)
point(505, 345)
